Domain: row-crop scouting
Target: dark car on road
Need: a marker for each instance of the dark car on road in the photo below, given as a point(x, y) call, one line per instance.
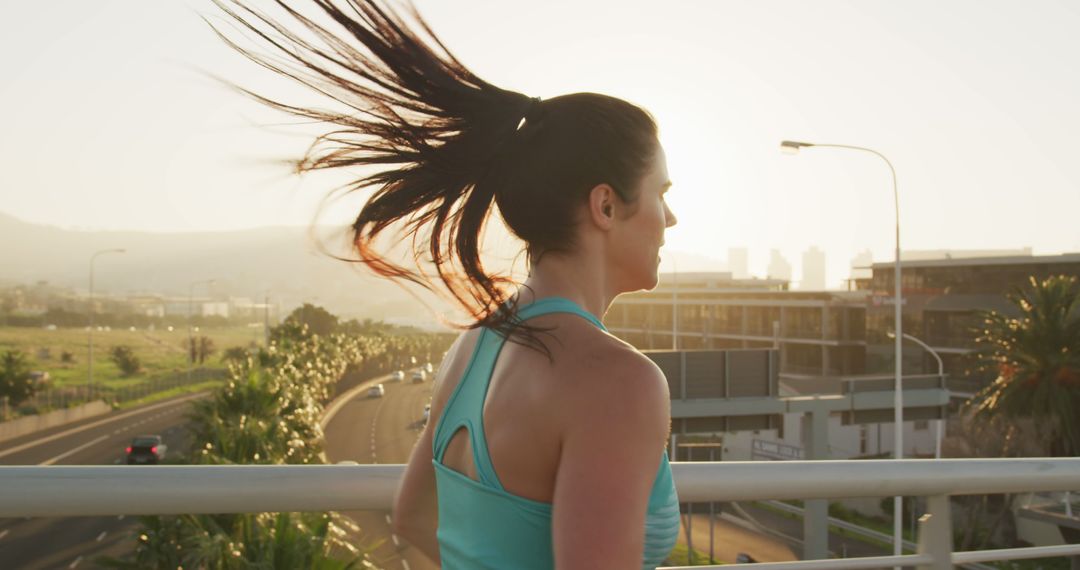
point(146, 449)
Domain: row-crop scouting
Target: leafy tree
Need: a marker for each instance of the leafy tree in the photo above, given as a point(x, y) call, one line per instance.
point(235, 355)
point(205, 348)
point(198, 348)
point(125, 359)
point(1037, 359)
point(15, 380)
point(269, 413)
point(318, 320)
point(190, 346)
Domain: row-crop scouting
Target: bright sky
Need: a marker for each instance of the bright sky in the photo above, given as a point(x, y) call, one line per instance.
point(108, 124)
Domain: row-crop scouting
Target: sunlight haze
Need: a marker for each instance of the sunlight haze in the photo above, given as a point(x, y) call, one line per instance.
point(111, 122)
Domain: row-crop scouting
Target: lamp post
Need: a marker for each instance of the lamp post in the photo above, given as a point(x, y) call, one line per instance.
point(90, 336)
point(266, 319)
point(941, 374)
point(675, 304)
point(191, 340)
point(793, 147)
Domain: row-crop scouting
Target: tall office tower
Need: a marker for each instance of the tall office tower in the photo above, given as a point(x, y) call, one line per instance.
point(738, 262)
point(860, 265)
point(779, 268)
point(813, 270)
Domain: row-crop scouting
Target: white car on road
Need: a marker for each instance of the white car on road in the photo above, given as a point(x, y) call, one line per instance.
point(376, 391)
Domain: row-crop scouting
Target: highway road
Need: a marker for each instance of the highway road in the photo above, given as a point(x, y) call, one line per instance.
point(48, 543)
point(363, 430)
point(381, 430)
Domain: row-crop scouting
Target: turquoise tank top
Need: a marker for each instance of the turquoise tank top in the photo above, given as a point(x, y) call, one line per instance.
point(481, 525)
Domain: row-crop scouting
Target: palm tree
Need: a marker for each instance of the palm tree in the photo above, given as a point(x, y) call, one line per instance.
point(1037, 360)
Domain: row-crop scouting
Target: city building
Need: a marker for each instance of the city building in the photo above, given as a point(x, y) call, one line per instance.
point(817, 333)
point(813, 270)
point(836, 334)
point(942, 301)
point(779, 268)
point(739, 262)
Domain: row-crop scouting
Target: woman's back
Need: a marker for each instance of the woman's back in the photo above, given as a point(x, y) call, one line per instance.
point(497, 476)
point(525, 396)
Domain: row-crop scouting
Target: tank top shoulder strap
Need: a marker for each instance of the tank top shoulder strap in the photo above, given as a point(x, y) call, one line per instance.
point(550, 305)
point(466, 404)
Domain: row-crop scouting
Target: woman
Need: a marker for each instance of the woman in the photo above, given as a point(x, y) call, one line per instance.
point(546, 444)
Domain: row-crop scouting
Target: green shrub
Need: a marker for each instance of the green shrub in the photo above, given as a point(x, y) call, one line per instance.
point(125, 359)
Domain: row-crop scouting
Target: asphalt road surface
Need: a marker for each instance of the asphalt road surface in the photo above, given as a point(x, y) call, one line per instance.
point(381, 430)
point(364, 430)
point(48, 543)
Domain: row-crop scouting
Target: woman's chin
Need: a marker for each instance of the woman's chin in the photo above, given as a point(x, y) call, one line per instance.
point(652, 282)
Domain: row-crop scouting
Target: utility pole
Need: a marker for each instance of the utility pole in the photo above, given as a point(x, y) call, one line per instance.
point(266, 319)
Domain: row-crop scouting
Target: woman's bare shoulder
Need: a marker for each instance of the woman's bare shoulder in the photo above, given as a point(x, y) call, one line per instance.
point(602, 373)
point(452, 368)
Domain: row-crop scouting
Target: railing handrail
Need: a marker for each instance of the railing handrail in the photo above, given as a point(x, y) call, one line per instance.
point(27, 491)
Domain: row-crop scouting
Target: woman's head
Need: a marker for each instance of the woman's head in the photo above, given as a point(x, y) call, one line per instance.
point(449, 145)
point(570, 145)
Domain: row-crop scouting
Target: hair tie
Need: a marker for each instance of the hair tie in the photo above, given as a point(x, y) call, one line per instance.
point(530, 112)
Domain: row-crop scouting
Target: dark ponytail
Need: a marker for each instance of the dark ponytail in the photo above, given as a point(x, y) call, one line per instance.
point(448, 145)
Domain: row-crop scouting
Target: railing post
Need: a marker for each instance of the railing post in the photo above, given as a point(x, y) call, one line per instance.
point(935, 533)
point(816, 511)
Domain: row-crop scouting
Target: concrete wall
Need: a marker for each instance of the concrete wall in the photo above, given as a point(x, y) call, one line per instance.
point(843, 439)
point(31, 424)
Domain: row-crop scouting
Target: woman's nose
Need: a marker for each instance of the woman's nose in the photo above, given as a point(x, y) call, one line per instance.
point(669, 217)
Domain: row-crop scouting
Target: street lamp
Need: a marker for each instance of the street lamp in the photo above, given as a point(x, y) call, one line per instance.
point(793, 147)
point(191, 341)
point(90, 336)
point(941, 374)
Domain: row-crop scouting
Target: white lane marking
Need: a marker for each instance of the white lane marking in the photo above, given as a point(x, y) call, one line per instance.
point(388, 519)
point(71, 451)
point(405, 564)
point(92, 425)
point(4, 533)
point(76, 563)
point(116, 431)
point(394, 538)
point(374, 422)
point(101, 536)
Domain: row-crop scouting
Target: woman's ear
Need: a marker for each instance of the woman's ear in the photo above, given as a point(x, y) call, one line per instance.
point(602, 205)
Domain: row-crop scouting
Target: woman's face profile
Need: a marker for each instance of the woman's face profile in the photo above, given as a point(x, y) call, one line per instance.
point(639, 235)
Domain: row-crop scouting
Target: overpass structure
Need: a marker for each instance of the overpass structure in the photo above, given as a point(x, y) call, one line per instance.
point(738, 390)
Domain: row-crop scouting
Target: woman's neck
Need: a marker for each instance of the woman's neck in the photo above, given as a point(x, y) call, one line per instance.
point(571, 277)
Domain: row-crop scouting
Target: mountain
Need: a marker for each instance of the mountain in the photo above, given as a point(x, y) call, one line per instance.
point(283, 262)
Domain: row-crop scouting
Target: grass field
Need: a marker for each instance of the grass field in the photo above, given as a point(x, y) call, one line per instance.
point(161, 351)
point(164, 364)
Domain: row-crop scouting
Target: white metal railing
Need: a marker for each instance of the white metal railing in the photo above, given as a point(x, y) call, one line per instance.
point(32, 491)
